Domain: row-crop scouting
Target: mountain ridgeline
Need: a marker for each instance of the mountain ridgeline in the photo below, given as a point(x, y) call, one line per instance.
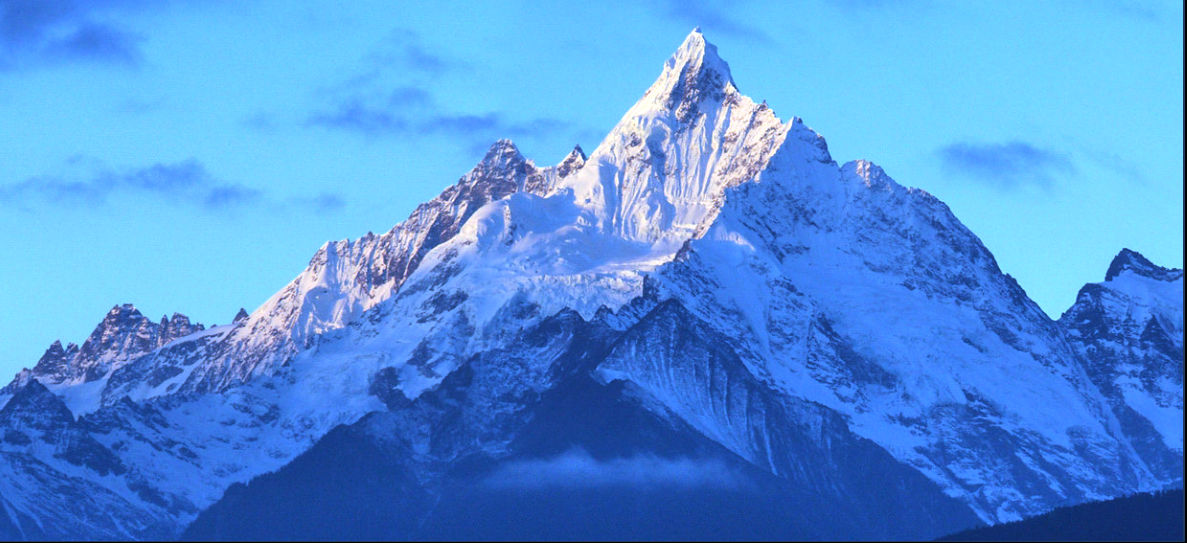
point(706, 328)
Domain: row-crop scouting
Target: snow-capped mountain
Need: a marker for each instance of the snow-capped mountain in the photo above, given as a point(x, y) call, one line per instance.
point(707, 297)
point(124, 335)
point(1128, 333)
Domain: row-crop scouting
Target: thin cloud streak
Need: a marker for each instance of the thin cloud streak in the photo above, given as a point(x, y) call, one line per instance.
point(1004, 165)
point(185, 183)
point(322, 203)
point(1122, 167)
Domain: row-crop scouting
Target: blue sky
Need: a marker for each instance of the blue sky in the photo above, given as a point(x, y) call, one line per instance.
point(190, 156)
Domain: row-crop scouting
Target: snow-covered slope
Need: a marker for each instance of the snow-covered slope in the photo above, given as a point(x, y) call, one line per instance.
point(346, 277)
point(704, 238)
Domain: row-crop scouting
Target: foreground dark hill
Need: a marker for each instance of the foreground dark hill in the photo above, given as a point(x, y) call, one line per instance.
point(1154, 516)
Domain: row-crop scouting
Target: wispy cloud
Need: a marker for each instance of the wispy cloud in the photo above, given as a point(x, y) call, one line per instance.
point(577, 469)
point(1005, 165)
point(40, 32)
point(388, 96)
point(401, 52)
point(712, 17)
point(185, 183)
point(354, 115)
point(412, 111)
point(362, 110)
point(322, 203)
point(403, 47)
point(474, 131)
point(1120, 166)
point(383, 120)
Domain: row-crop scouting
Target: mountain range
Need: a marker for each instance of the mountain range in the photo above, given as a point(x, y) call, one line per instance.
point(705, 328)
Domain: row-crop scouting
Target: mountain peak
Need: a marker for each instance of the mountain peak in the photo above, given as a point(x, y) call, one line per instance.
point(869, 173)
point(698, 51)
point(54, 361)
point(501, 151)
point(33, 398)
point(502, 158)
point(1134, 261)
point(691, 75)
point(123, 309)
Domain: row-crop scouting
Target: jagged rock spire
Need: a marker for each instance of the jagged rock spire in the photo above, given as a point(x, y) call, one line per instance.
point(572, 162)
point(578, 152)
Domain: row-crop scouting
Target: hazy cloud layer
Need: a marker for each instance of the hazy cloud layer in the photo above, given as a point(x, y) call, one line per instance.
point(577, 469)
point(37, 32)
point(1004, 165)
point(186, 183)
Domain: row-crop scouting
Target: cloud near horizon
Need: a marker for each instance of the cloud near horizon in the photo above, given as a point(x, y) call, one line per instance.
point(1004, 165)
point(185, 183)
point(577, 469)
